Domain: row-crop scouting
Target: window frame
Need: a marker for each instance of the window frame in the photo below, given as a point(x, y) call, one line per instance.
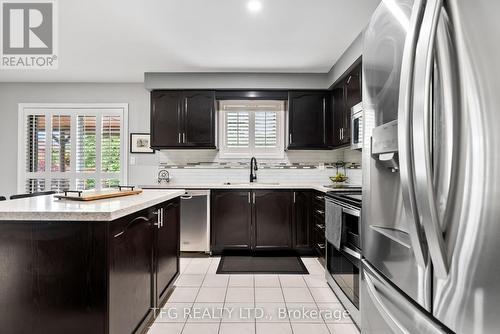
point(73, 110)
point(252, 151)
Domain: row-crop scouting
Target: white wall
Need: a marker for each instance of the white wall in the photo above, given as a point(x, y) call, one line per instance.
point(11, 94)
point(353, 52)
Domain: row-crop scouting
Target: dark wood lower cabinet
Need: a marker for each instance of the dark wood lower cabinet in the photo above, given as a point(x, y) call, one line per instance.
point(130, 268)
point(231, 220)
point(264, 219)
point(302, 231)
point(85, 277)
point(272, 223)
point(167, 250)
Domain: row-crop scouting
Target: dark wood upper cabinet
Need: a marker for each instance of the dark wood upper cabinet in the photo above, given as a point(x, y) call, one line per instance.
point(182, 119)
point(346, 94)
point(231, 219)
point(309, 120)
point(302, 217)
point(272, 219)
point(166, 119)
point(167, 248)
point(199, 119)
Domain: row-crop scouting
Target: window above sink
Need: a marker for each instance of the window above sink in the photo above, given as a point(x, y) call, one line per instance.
point(251, 128)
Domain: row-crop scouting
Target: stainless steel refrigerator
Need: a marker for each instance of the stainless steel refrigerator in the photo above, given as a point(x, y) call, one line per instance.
point(431, 176)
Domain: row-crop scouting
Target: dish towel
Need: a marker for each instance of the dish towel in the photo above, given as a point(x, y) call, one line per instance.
point(333, 216)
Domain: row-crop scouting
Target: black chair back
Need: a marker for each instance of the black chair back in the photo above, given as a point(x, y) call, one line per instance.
point(42, 193)
point(2, 198)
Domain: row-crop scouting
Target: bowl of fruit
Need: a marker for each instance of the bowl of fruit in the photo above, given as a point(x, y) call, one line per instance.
point(339, 178)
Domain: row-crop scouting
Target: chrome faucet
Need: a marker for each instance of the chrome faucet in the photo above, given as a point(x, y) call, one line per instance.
point(253, 168)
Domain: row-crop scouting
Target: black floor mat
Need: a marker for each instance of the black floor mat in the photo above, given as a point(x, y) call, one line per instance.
point(236, 264)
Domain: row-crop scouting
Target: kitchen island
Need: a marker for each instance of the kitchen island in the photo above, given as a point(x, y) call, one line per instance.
point(87, 267)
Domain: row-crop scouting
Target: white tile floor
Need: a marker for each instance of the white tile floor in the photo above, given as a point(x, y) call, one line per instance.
point(206, 303)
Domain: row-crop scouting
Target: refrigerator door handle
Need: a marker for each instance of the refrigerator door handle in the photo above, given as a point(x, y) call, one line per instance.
point(404, 136)
point(422, 121)
point(408, 319)
point(374, 295)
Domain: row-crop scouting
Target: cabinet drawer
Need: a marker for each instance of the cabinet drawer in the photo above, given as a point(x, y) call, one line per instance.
point(318, 201)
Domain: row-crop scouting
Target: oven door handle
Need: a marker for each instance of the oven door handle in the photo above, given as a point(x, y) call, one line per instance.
point(351, 252)
point(351, 212)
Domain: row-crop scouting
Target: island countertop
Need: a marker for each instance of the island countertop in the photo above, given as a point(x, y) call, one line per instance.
point(48, 208)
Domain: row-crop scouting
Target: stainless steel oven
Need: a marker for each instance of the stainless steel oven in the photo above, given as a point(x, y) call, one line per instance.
point(343, 249)
point(357, 126)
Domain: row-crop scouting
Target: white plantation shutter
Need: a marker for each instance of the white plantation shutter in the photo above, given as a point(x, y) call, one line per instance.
point(266, 129)
point(110, 144)
point(251, 128)
point(84, 147)
point(86, 143)
point(237, 129)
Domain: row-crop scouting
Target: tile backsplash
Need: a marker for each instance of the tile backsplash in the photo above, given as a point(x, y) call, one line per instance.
point(195, 166)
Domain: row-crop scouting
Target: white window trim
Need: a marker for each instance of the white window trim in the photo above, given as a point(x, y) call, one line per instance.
point(239, 153)
point(83, 109)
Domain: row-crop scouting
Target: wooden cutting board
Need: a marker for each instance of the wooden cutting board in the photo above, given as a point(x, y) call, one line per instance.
point(96, 195)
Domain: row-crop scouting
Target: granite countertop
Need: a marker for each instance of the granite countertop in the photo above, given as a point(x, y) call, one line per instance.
point(48, 208)
point(244, 185)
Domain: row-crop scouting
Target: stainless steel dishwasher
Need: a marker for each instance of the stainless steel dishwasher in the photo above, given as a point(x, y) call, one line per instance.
point(195, 221)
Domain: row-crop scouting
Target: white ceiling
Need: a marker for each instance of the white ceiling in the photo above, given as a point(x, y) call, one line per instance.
point(119, 40)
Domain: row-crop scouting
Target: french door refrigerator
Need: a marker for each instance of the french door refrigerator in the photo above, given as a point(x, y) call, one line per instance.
point(431, 176)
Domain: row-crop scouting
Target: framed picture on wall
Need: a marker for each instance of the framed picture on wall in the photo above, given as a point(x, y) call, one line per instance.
point(140, 143)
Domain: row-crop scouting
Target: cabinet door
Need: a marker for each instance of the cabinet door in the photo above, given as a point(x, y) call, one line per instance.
point(338, 115)
point(131, 248)
point(52, 277)
point(352, 91)
point(199, 119)
point(272, 218)
point(230, 219)
point(302, 220)
point(167, 248)
point(166, 119)
point(308, 125)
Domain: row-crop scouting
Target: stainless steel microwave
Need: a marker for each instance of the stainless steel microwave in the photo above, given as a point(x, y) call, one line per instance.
point(357, 126)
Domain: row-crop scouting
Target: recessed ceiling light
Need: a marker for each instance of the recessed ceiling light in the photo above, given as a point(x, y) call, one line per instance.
point(254, 6)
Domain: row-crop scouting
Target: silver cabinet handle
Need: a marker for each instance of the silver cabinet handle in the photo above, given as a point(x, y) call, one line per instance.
point(321, 246)
point(290, 138)
point(321, 212)
point(162, 221)
point(404, 136)
point(320, 226)
point(249, 201)
point(183, 137)
point(422, 120)
point(253, 194)
point(159, 222)
point(186, 197)
point(179, 140)
point(294, 196)
point(320, 198)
